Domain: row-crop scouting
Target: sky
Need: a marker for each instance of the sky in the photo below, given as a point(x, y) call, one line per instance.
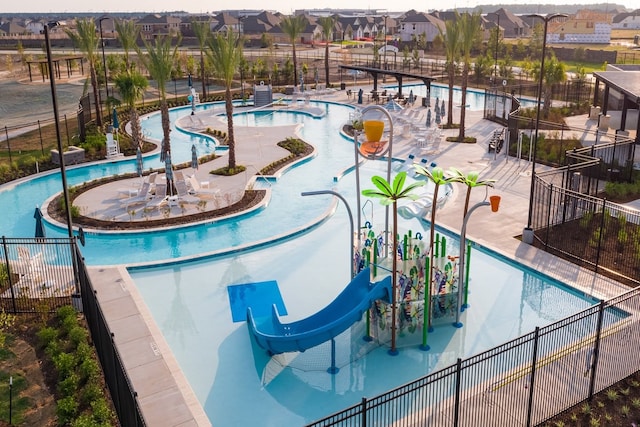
point(284, 6)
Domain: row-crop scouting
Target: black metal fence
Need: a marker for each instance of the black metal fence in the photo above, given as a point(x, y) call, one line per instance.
point(520, 383)
point(124, 397)
point(37, 275)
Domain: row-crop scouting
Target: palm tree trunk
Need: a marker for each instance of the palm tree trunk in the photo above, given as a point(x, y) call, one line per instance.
point(463, 110)
point(295, 65)
point(434, 204)
point(326, 61)
point(394, 276)
point(136, 131)
point(166, 124)
point(96, 98)
point(204, 85)
point(452, 76)
point(231, 138)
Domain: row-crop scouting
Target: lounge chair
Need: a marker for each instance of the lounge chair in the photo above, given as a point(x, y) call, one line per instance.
point(143, 195)
point(29, 267)
point(182, 192)
point(159, 198)
point(407, 163)
point(131, 192)
point(198, 188)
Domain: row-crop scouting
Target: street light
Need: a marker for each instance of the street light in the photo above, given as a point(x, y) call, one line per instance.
point(104, 61)
point(495, 67)
point(527, 235)
point(56, 119)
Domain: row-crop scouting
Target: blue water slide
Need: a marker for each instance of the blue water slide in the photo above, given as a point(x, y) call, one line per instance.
point(322, 326)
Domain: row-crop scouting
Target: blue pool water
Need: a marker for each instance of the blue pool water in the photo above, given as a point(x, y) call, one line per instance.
point(190, 302)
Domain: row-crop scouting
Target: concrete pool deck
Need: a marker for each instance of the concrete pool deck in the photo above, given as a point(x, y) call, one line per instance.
point(164, 395)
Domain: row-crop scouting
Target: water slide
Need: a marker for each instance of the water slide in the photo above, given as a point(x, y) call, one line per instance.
point(322, 326)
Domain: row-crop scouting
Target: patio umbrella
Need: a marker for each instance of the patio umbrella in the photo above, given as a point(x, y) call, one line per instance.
point(189, 81)
point(428, 122)
point(411, 96)
point(442, 109)
point(116, 123)
point(438, 117)
point(392, 105)
point(139, 162)
point(315, 76)
point(194, 157)
point(169, 173)
point(163, 151)
point(40, 232)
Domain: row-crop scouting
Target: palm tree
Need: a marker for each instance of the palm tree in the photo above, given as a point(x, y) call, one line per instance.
point(554, 72)
point(86, 39)
point(225, 53)
point(471, 181)
point(437, 176)
point(293, 26)
point(451, 38)
point(131, 84)
point(469, 30)
point(389, 195)
point(159, 60)
point(128, 34)
point(202, 31)
point(328, 24)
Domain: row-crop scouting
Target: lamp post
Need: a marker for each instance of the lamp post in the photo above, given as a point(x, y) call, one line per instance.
point(385, 41)
point(495, 67)
point(104, 61)
point(56, 119)
point(527, 235)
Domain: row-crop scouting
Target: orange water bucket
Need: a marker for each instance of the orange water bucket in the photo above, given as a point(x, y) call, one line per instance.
point(373, 130)
point(495, 203)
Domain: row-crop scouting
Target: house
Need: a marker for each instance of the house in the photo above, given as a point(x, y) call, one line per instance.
point(311, 32)
point(255, 26)
point(413, 24)
point(627, 20)
point(11, 29)
point(583, 27)
point(35, 26)
point(226, 21)
point(512, 26)
point(154, 25)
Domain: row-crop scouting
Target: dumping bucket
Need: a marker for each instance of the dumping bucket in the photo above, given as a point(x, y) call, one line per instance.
point(495, 203)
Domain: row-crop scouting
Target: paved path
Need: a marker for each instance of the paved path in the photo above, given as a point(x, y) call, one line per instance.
point(164, 394)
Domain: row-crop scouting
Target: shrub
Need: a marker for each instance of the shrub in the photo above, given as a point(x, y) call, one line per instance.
point(91, 392)
point(65, 363)
point(78, 335)
point(101, 411)
point(69, 385)
point(67, 409)
point(53, 349)
point(89, 369)
point(46, 336)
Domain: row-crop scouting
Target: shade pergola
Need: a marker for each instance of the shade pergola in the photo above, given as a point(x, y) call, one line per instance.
point(43, 66)
point(398, 75)
point(626, 82)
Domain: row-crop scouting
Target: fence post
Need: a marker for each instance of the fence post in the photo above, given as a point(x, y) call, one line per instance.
point(66, 126)
point(6, 259)
point(364, 412)
point(602, 231)
point(546, 239)
point(596, 350)
point(456, 409)
point(41, 143)
point(534, 361)
point(6, 133)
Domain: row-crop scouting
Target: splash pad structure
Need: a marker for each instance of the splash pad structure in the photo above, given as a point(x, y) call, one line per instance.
point(406, 285)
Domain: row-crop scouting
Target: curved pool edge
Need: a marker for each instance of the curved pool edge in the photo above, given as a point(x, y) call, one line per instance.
point(250, 246)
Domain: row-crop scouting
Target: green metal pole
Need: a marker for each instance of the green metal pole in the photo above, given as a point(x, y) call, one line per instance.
point(466, 276)
point(427, 307)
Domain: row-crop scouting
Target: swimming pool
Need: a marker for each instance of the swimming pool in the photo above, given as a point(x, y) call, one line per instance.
point(190, 301)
